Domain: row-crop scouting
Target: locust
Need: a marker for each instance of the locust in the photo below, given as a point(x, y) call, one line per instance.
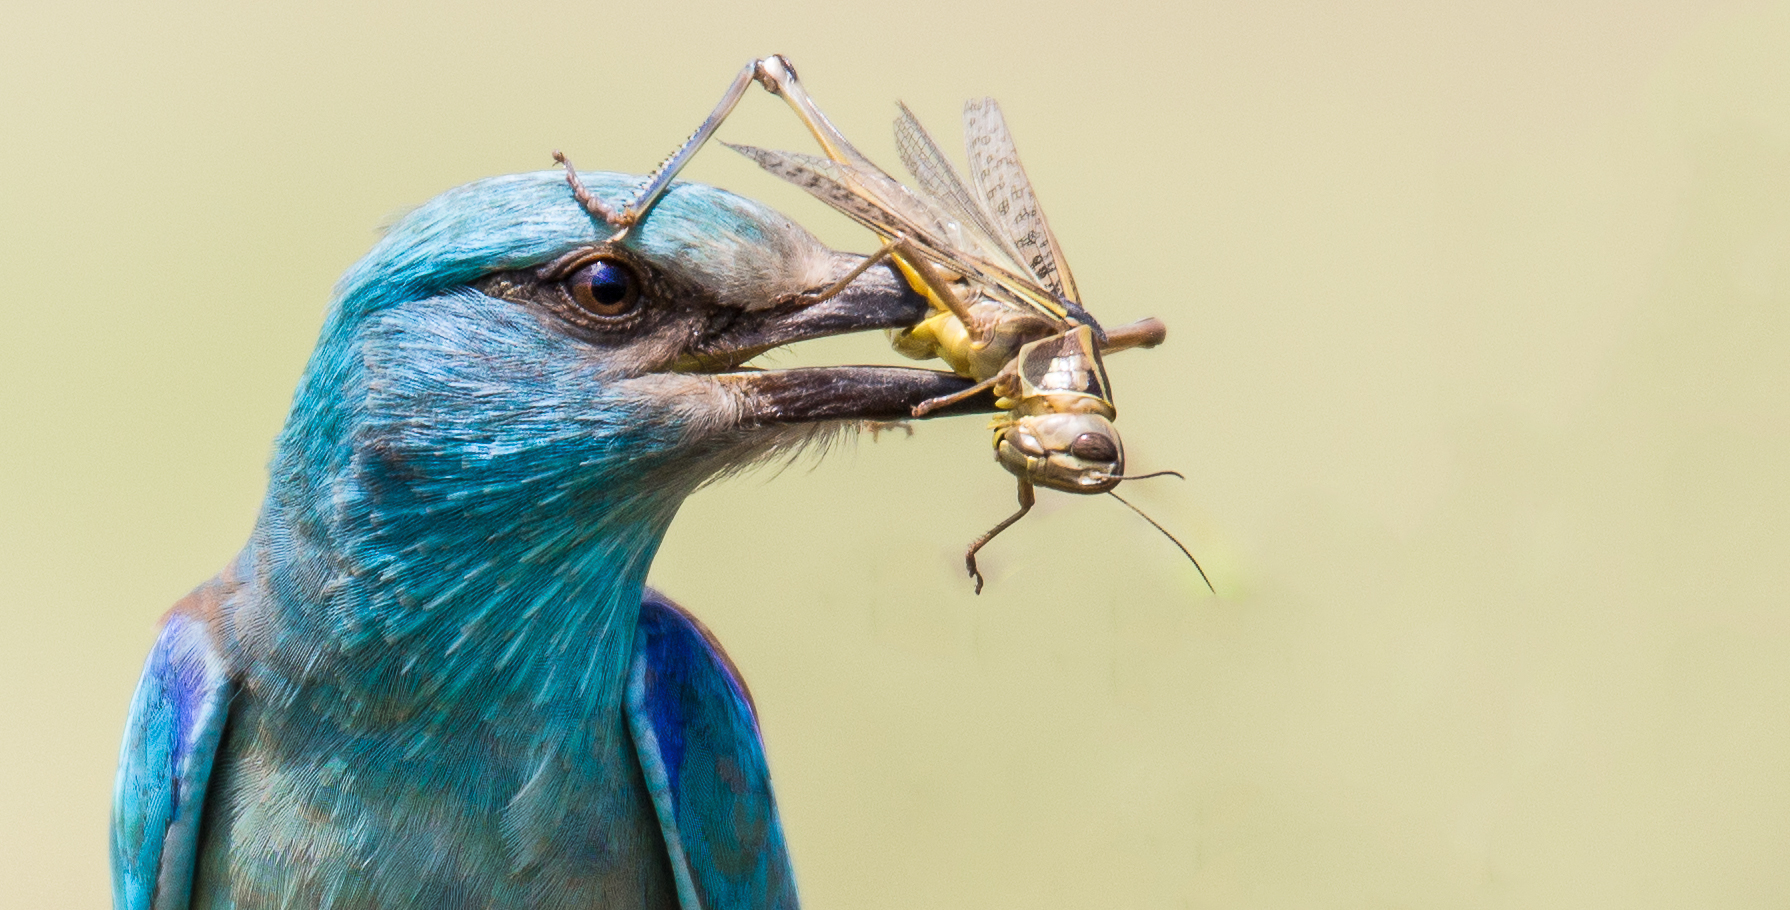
point(1006, 309)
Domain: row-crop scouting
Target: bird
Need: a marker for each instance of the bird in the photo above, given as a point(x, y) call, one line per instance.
point(434, 676)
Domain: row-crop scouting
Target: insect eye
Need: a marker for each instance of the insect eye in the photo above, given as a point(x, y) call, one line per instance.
point(605, 288)
point(1094, 447)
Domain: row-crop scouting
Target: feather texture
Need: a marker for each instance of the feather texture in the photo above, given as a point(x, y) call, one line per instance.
point(424, 651)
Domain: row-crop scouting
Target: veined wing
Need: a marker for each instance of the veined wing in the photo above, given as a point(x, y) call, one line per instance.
point(940, 182)
point(896, 197)
point(848, 189)
point(998, 175)
point(858, 173)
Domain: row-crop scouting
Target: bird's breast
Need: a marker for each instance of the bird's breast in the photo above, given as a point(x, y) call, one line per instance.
point(539, 807)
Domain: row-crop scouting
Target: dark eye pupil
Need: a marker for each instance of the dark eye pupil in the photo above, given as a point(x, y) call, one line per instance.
point(609, 283)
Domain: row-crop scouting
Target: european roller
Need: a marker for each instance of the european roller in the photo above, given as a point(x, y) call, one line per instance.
point(434, 677)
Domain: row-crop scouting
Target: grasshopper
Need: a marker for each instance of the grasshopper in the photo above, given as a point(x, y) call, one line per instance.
point(1007, 312)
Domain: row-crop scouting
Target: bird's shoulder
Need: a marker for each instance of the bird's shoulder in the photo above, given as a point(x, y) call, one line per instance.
point(170, 742)
point(696, 732)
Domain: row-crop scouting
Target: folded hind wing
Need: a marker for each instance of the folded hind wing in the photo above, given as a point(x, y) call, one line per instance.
point(697, 737)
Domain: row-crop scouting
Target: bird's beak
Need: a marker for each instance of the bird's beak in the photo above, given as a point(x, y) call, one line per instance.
point(878, 298)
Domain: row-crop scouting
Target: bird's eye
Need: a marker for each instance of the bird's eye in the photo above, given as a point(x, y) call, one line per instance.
point(605, 288)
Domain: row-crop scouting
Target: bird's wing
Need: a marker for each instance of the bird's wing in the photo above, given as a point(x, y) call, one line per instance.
point(696, 733)
point(170, 741)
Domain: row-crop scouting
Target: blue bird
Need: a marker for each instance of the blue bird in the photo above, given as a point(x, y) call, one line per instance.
point(434, 677)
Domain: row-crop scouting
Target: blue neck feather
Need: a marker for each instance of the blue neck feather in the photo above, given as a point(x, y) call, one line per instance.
point(456, 523)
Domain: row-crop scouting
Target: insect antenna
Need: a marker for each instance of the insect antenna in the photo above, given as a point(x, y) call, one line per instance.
point(1175, 474)
point(1165, 533)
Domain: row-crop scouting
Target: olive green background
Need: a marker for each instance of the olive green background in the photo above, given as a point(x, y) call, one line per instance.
point(1477, 371)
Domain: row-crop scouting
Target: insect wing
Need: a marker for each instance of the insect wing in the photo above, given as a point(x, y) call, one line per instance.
point(998, 175)
point(891, 194)
point(1066, 363)
point(877, 202)
point(832, 183)
point(855, 193)
point(944, 189)
point(939, 181)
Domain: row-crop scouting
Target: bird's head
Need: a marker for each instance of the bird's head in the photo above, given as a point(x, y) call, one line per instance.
point(495, 339)
point(503, 402)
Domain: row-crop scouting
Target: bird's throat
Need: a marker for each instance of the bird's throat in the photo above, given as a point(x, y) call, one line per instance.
point(441, 616)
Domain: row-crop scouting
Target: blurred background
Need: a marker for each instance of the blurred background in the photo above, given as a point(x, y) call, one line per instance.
point(1478, 371)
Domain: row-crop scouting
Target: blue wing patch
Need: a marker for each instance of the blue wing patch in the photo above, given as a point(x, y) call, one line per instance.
point(170, 740)
point(697, 736)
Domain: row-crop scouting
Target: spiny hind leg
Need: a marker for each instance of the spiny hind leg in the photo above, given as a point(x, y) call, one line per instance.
point(1026, 500)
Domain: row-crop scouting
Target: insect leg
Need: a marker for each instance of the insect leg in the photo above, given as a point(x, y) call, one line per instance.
point(940, 290)
point(933, 404)
point(1026, 500)
point(662, 177)
point(882, 253)
point(584, 196)
point(778, 77)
